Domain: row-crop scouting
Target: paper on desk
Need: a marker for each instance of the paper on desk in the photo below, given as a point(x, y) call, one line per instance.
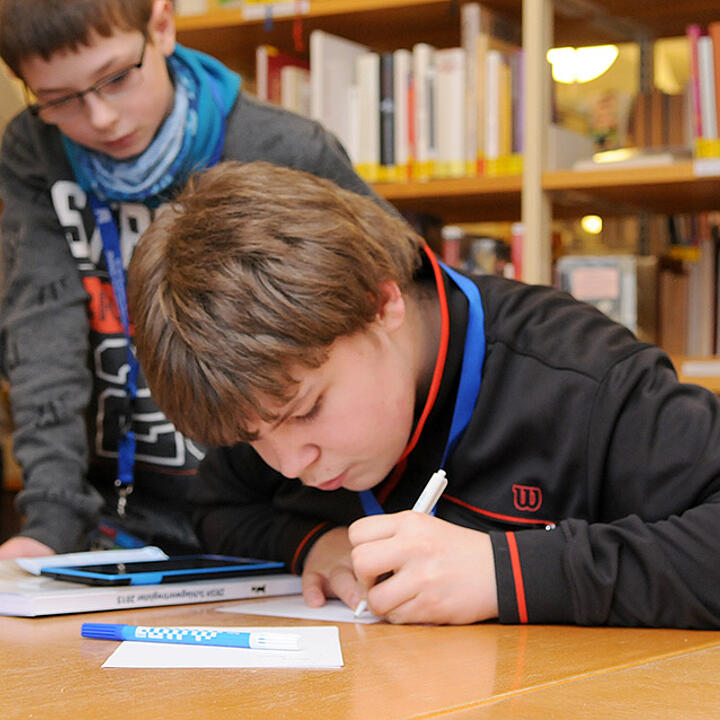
point(35, 564)
point(294, 606)
point(320, 648)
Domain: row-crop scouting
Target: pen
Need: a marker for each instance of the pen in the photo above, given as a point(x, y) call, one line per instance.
point(192, 636)
point(424, 504)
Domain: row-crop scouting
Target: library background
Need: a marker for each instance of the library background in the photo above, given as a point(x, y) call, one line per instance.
point(566, 142)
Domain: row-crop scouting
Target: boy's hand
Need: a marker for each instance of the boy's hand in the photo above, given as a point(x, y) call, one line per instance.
point(442, 573)
point(20, 546)
point(328, 571)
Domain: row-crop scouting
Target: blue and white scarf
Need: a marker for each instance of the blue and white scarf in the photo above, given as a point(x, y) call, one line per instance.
point(190, 138)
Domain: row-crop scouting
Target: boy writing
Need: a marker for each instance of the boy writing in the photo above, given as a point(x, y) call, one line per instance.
point(123, 116)
point(316, 342)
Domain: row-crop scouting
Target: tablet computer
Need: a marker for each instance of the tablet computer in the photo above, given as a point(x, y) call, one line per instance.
point(181, 568)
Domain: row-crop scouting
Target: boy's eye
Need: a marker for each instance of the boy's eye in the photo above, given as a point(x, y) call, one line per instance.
point(311, 413)
point(63, 102)
point(116, 81)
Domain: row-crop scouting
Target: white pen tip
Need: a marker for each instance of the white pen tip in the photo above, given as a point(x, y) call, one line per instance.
point(361, 608)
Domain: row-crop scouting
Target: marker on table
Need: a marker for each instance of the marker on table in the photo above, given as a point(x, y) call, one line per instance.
point(424, 504)
point(192, 636)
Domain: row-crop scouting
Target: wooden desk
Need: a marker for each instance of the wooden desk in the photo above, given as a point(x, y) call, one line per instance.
point(489, 671)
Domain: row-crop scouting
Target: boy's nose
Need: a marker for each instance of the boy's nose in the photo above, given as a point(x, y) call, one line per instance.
point(101, 113)
point(293, 461)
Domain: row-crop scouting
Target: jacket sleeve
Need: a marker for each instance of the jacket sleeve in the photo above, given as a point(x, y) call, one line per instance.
point(242, 507)
point(647, 552)
point(44, 345)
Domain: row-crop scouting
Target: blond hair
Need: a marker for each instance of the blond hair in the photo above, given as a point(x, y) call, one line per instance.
point(255, 270)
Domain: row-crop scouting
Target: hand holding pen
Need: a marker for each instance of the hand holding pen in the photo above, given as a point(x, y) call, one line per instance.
point(424, 504)
point(441, 573)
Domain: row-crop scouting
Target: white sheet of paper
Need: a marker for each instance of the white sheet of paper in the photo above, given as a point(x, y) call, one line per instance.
point(319, 648)
point(294, 606)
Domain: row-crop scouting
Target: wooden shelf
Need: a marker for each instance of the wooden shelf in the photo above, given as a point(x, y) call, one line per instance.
point(709, 377)
point(458, 200)
point(382, 24)
point(624, 191)
point(389, 24)
point(623, 20)
point(621, 191)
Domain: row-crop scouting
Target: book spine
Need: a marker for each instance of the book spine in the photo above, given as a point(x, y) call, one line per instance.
point(316, 94)
point(469, 34)
point(424, 84)
point(706, 82)
point(450, 112)
point(492, 110)
point(693, 34)
point(368, 78)
point(261, 71)
point(714, 33)
point(402, 95)
point(387, 117)
point(62, 600)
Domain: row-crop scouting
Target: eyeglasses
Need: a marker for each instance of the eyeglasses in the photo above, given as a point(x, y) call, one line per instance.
point(110, 87)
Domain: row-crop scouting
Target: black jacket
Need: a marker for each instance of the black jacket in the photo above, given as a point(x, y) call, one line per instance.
point(595, 471)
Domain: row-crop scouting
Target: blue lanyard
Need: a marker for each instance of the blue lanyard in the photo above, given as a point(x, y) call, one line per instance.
point(470, 376)
point(113, 259)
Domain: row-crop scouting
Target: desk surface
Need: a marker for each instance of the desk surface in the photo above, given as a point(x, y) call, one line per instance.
point(487, 671)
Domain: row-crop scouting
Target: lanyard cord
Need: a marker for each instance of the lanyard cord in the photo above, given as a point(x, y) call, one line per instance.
point(470, 377)
point(113, 258)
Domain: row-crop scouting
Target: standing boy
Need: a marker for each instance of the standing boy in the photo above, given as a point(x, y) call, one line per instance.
point(337, 365)
point(122, 116)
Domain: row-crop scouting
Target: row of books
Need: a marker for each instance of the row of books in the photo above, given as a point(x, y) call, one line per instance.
point(705, 87)
point(414, 113)
point(659, 120)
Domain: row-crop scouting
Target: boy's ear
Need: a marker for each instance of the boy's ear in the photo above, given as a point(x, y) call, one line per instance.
point(161, 27)
point(392, 305)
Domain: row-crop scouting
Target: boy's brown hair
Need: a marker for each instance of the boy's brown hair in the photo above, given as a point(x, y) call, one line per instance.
point(42, 27)
point(252, 272)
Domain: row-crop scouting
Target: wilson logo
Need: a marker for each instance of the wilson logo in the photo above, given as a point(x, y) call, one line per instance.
point(527, 498)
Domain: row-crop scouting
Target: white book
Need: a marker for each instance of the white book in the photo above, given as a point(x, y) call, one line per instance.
point(402, 70)
point(27, 595)
point(332, 76)
point(353, 110)
point(493, 65)
point(450, 112)
point(367, 72)
point(424, 83)
point(469, 40)
point(706, 78)
point(295, 89)
point(701, 299)
point(261, 72)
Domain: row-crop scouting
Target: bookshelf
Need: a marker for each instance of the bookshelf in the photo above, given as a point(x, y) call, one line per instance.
point(538, 195)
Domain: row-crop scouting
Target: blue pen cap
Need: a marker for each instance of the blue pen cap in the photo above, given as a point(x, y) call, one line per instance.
point(102, 631)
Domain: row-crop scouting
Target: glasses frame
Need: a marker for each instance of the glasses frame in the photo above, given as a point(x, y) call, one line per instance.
point(96, 88)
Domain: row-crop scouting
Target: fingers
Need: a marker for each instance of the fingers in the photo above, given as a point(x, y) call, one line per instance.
point(373, 527)
point(442, 573)
point(340, 583)
point(313, 589)
point(383, 544)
